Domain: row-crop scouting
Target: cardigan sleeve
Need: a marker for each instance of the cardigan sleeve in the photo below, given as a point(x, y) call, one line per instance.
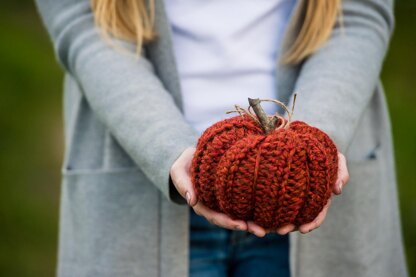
point(123, 92)
point(335, 84)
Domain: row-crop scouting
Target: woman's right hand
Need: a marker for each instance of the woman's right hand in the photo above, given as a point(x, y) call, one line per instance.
point(180, 174)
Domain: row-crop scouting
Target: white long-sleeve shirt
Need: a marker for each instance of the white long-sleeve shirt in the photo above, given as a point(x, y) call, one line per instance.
point(226, 51)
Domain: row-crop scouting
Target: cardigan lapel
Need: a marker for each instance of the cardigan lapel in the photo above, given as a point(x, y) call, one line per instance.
point(160, 52)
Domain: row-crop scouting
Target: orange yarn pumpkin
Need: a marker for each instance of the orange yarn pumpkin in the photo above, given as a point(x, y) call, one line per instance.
point(276, 178)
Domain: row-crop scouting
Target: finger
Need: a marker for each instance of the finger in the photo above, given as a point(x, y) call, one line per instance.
point(219, 219)
point(285, 229)
point(343, 175)
point(183, 184)
point(255, 229)
point(316, 223)
point(322, 215)
point(180, 175)
point(308, 227)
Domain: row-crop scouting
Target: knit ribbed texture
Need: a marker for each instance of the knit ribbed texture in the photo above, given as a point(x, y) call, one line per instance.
point(283, 177)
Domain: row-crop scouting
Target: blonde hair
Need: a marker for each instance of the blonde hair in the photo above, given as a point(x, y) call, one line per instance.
point(133, 20)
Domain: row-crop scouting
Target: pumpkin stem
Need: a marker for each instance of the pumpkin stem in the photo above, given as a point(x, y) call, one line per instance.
point(262, 116)
point(267, 123)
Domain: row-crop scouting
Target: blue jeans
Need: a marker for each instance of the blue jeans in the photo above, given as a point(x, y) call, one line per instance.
point(218, 252)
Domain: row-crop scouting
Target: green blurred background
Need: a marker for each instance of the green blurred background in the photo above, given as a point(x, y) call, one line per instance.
point(31, 139)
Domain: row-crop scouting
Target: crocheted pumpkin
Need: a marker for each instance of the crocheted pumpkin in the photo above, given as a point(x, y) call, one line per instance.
point(273, 176)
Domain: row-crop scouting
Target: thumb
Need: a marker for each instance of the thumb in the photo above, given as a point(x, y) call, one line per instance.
point(180, 175)
point(343, 174)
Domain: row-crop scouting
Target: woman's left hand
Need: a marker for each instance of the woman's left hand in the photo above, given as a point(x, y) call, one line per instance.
point(343, 178)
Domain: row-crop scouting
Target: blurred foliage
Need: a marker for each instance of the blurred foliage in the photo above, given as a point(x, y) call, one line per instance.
point(31, 139)
point(399, 81)
point(30, 143)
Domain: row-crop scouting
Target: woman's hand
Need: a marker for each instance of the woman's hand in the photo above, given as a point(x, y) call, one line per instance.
point(180, 174)
point(343, 178)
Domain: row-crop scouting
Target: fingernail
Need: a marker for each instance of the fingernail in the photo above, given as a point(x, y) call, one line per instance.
point(188, 197)
point(340, 184)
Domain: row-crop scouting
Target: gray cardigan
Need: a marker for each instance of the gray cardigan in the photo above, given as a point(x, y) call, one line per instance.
point(124, 127)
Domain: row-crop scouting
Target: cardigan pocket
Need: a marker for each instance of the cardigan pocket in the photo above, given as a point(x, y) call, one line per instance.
point(114, 160)
point(89, 145)
point(109, 222)
point(91, 148)
point(362, 201)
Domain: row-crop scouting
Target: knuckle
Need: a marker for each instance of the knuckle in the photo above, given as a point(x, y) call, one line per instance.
point(312, 228)
point(174, 169)
point(347, 178)
point(179, 184)
point(175, 179)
